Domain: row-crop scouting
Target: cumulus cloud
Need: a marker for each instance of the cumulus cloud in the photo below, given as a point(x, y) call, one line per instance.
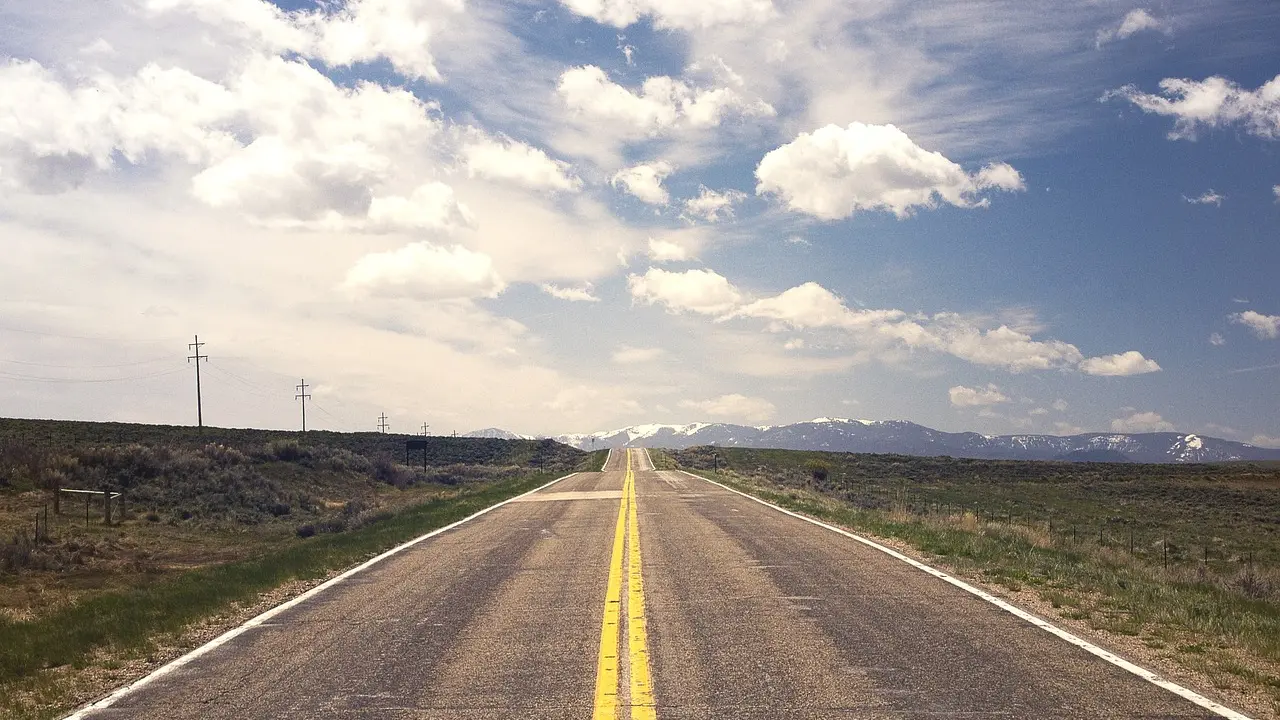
point(812, 307)
point(501, 158)
point(1217, 340)
point(700, 291)
point(572, 294)
point(667, 14)
point(1275, 190)
point(356, 31)
point(1266, 441)
point(833, 172)
point(964, 397)
point(734, 407)
point(430, 207)
point(424, 271)
point(1121, 364)
point(1210, 103)
point(277, 141)
point(1266, 327)
point(712, 206)
point(666, 251)
point(1141, 422)
point(1133, 23)
point(1060, 405)
point(662, 103)
point(627, 355)
point(1207, 198)
point(644, 181)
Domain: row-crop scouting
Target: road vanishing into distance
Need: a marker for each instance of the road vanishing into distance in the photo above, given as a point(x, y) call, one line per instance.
point(633, 593)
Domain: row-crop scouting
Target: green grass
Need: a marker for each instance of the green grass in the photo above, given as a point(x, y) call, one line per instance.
point(128, 623)
point(1220, 618)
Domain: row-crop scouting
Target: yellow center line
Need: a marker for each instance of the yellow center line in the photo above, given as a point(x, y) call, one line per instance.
point(606, 705)
point(637, 635)
point(607, 667)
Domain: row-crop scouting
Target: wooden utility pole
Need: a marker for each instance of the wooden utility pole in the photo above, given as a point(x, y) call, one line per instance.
point(303, 396)
point(198, 357)
point(382, 423)
point(424, 429)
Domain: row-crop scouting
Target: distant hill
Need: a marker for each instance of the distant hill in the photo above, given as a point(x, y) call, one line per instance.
point(906, 438)
point(65, 435)
point(496, 434)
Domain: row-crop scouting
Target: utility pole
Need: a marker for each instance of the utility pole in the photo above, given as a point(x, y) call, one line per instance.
point(382, 423)
point(198, 357)
point(424, 429)
point(303, 396)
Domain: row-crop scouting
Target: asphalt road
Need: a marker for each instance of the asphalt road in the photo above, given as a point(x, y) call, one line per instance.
point(724, 608)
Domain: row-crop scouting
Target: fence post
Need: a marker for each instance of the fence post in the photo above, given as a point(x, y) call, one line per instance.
point(1131, 538)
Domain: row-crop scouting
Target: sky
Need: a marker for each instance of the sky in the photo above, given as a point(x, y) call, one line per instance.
point(1004, 216)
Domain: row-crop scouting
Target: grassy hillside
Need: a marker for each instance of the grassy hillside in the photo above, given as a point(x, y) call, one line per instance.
point(1183, 560)
point(245, 510)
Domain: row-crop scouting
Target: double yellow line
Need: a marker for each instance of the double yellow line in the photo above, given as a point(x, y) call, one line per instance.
point(626, 543)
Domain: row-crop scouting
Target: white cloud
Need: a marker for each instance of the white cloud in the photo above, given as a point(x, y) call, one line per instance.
point(666, 251)
point(1134, 22)
point(1265, 441)
point(964, 397)
point(431, 207)
point(1275, 190)
point(811, 306)
point(672, 14)
point(662, 103)
point(1213, 102)
point(1266, 327)
point(644, 181)
point(1121, 364)
point(835, 172)
point(1217, 340)
point(401, 31)
point(1207, 198)
point(1141, 422)
point(713, 206)
point(426, 272)
point(796, 240)
point(627, 355)
point(794, 344)
point(734, 407)
point(572, 294)
point(502, 158)
point(1038, 412)
point(699, 291)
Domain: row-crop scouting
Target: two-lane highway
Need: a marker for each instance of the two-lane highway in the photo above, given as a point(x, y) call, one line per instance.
point(635, 593)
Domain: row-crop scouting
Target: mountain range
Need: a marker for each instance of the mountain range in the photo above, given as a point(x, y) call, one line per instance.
point(906, 438)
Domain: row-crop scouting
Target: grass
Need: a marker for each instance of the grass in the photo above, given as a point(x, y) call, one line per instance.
point(128, 623)
point(991, 521)
point(214, 519)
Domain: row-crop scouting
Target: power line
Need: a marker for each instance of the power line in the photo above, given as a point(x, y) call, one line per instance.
point(382, 423)
point(99, 338)
point(198, 357)
point(83, 367)
point(302, 395)
point(36, 378)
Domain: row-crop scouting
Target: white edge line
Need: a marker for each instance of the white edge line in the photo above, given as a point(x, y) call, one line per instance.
point(260, 619)
point(1045, 625)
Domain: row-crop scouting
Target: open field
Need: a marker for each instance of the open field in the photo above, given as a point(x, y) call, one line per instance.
point(1086, 542)
point(209, 523)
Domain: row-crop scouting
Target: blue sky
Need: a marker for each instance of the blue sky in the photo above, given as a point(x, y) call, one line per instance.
point(553, 217)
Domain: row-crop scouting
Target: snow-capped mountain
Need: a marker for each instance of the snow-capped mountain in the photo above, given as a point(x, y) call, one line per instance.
point(905, 438)
point(496, 434)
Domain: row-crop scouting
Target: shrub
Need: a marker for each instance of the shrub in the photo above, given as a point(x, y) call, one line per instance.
point(306, 531)
point(285, 450)
point(817, 470)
